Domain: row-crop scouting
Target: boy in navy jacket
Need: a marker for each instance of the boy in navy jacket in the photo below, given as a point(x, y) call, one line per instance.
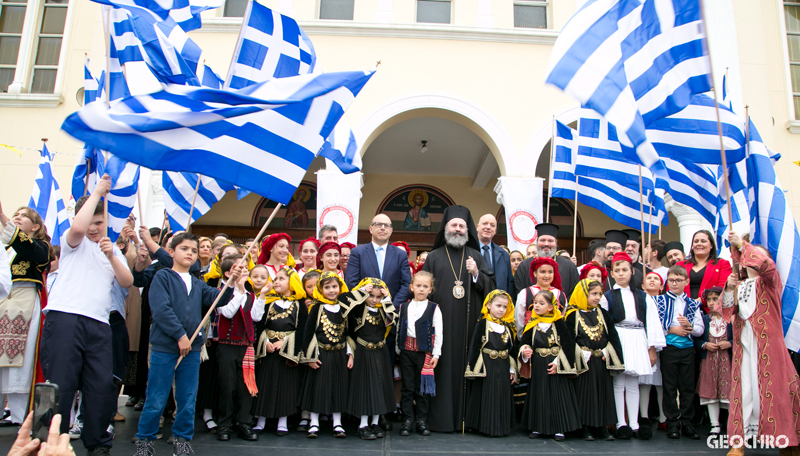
point(178, 302)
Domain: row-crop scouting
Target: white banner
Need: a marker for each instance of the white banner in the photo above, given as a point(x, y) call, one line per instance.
point(338, 200)
point(522, 199)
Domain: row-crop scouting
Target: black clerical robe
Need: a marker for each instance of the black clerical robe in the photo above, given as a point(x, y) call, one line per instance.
point(459, 320)
point(566, 269)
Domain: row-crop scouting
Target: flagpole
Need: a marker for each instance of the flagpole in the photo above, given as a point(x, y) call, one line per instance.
point(228, 76)
point(550, 177)
point(194, 198)
point(229, 283)
point(108, 103)
point(575, 222)
point(649, 234)
point(719, 122)
point(641, 212)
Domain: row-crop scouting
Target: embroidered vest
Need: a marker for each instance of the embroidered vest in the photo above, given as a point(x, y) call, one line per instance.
point(616, 308)
point(239, 329)
point(423, 327)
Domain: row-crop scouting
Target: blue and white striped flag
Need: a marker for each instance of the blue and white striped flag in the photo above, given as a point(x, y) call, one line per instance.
point(186, 13)
point(694, 185)
point(772, 225)
point(89, 84)
point(634, 62)
point(262, 137)
point(46, 199)
point(179, 191)
point(270, 45)
point(617, 201)
point(211, 79)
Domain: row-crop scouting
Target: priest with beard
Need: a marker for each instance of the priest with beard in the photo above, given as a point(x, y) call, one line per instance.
point(461, 282)
point(547, 246)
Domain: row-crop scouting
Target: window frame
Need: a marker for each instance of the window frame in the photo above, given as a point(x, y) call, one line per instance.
point(3, 4)
point(793, 124)
point(535, 3)
point(319, 12)
point(416, 12)
point(39, 34)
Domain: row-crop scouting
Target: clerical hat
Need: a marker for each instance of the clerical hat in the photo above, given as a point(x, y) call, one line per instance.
point(547, 229)
point(674, 245)
point(633, 235)
point(620, 237)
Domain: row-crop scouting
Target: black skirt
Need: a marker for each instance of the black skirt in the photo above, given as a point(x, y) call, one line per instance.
point(595, 392)
point(371, 383)
point(325, 389)
point(550, 407)
point(490, 400)
point(278, 387)
point(208, 386)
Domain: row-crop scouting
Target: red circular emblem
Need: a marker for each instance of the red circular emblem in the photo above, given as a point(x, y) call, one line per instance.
point(338, 216)
point(523, 227)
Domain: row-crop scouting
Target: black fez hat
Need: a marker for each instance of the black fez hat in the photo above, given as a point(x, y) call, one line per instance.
point(620, 237)
point(633, 235)
point(547, 229)
point(674, 245)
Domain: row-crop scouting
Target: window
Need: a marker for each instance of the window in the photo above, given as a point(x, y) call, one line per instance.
point(792, 12)
point(48, 46)
point(12, 17)
point(235, 8)
point(530, 14)
point(336, 9)
point(433, 11)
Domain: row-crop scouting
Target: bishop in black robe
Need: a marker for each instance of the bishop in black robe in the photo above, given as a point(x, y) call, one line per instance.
point(459, 317)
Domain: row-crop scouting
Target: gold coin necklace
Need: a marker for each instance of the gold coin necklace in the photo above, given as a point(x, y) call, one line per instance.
point(458, 289)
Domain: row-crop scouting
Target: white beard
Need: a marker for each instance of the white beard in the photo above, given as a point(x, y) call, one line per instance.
point(455, 241)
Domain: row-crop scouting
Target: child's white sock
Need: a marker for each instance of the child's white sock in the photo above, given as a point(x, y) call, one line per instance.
point(713, 413)
point(262, 421)
point(208, 418)
point(364, 422)
point(644, 400)
point(337, 419)
point(375, 419)
point(281, 423)
point(314, 419)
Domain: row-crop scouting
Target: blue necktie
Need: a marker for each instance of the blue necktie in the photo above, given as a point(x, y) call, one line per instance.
point(379, 254)
point(488, 257)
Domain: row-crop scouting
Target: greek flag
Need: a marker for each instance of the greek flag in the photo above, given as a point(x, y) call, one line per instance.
point(179, 191)
point(270, 45)
point(772, 225)
point(185, 13)
point(617, 201)
point(694, 185)
point(210, 78)
point(46, 199)
point(262, 137)
point(634, 62)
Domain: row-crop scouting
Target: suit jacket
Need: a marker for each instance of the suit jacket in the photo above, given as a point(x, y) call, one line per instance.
point(716, 275)
point(501, 266)
point(396, 272)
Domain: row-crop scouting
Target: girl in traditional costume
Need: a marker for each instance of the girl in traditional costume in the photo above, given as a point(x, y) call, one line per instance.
point(27, 244)
point(714, 347)
point(765, 393)
point(371, 381)
point(275, 253)
point(278, 340)
point(545, 276)
point(594, 271)
point(492, 369)
point(328, 258)
point(308, 256)
point(546, 356)
point(599, 357)
point(327, 353)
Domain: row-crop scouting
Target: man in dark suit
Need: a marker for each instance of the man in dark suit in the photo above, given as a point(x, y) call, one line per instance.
point(495, 256)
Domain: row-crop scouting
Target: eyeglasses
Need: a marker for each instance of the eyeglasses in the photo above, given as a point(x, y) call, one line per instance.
point(675, 280)
point(614, 249)
point(381, 225)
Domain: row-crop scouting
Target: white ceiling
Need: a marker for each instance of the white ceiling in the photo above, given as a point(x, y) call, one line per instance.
point(453, 150)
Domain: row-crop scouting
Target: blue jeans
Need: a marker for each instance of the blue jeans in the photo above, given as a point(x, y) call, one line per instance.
point(159, 382)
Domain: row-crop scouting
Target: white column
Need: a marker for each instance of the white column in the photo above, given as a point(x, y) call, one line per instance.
point(485, 18)
point(338, 201)
point(689, 221)
point(152, 194)
point(384, 13)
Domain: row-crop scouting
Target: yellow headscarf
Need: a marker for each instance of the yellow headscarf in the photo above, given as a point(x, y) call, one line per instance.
point(318, 288)
point(378, 283)
point(536, 319)
point(295, 286)
point(580, 297)
point(508, 318)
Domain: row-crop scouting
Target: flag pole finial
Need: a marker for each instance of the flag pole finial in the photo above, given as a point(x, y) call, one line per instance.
point(44, 140)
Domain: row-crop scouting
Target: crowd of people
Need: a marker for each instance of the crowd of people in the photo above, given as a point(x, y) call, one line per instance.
point(467, 337)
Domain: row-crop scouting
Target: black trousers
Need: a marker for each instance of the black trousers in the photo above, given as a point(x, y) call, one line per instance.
point(234, 399)
point(120, 346)
point(410, 369)
point(677, 376)
point(75, 353)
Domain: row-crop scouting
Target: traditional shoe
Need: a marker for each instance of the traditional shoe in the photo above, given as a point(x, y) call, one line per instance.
point(423, 429)
point(624, 433)
point(312, 432)
point(385, 424)
point(302, 426)
point(223, 433)
point(605, 435)
point(365, 433)
point(406, 427)
point(662, 426)
point(378, 431)
point(689, 432)
point(282, 432)
point(534, 435)
point(338, 432)
point(587, 434)
point(715, 430)
point(559, 437)
point(645, 431)
point(209, 428)
point(246, 432)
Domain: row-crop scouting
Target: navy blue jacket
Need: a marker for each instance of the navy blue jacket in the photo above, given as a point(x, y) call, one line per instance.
point(501, 266)
point(396, 272)
point(175, 314)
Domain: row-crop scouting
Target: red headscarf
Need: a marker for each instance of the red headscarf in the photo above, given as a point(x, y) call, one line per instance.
point(347, 245)
point(324, 248)
point(311, 239)
point(593, 265)
point(660, 279)
point(403, 245)
point(541, 261)
point(621, 256)
point(269, 243)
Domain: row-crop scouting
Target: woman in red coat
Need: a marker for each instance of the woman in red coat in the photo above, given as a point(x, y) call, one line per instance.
point(704, 268)
point(765, 393)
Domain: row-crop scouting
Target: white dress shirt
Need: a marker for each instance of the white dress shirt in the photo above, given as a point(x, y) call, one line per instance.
point(415, 311)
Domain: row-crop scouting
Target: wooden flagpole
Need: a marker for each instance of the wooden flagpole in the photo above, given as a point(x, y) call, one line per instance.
point(194, 198)
point(108, 102)
point(229, 283)
point(641, 213)
point(575, 221)
point(550, 177)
